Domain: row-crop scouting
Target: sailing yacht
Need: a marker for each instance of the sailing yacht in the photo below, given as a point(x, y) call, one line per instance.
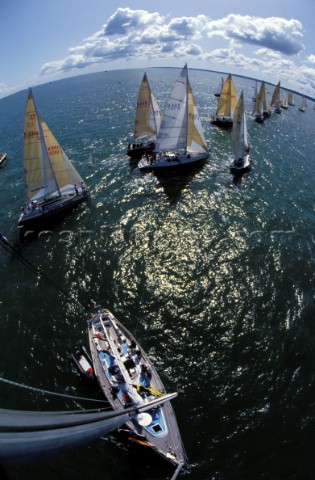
point(275, 100)
point(128, 378)
point(52, 184)
point(147, 121)
point(226, 105)
point(302, 104)
point(180, 141)
point(291, 100)
point(284, 103)
point(242, 159)
point(3, 156)
point(254, 98)
point(258, 110)
point(219, 89)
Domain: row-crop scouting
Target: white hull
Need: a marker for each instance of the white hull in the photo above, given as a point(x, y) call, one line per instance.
point(171, 161)
point(127, 378)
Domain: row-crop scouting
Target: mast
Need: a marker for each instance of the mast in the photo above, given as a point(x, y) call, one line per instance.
point(186, 107)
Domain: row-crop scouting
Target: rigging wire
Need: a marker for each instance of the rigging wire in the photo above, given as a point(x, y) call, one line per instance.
point(9, 248)
point(40, 390)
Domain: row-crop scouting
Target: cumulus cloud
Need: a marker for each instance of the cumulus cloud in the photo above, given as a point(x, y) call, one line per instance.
point(311, 58)
point(275, 33)
point(138, 34)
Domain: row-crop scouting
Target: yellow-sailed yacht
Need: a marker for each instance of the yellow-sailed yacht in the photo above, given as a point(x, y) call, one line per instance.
point(52, 184)
point(226, 105)
point(147, 121)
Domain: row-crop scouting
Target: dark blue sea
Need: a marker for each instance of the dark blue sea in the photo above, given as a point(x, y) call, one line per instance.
point(215, 278)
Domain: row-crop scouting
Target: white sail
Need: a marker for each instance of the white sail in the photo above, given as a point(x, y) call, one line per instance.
point(275, 100)
point(259, 104)
point(266, 104)
point(291, 100)
point(173, 130)
point(302, 104)
point(240, 137)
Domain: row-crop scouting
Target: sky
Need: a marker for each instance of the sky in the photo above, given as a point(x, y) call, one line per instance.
point(44, 41)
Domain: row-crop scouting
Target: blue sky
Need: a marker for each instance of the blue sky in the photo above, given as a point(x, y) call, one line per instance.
point(44, 41)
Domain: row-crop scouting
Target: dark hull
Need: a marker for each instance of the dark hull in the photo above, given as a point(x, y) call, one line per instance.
point(138, 152)
point(222, 123)
point(52, 212)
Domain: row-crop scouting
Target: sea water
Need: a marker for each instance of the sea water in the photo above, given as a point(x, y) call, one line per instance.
point(215, 278)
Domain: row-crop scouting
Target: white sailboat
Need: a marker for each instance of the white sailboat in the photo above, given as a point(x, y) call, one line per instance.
point(275, 100)
point(302, 104)
point(3, 156)
point(147, 121)
point(266, 104)
point(180, 141)
point(52, 184)
point(258, 110)
point(284, 103)
point(242, 159)
point(226, 105)
point(128, 378)
point(291, 100)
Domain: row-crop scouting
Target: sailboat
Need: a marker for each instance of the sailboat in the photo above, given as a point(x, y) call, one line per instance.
point(275, 100)
point(147, 121)
point(180, 141)
point(52, 184)
point(284, 103)
point(226, 105)
point(242, 159)
point(219, 89)
point(128, 379)
point(291, 100)
point(254, 98)
point(3, 156)
point(258, 110)
point(266, 104)
point(302, 104)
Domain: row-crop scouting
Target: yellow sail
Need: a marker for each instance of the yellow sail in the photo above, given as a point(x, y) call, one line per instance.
point(228, 99)
point(276, 96)
point(258, 106)
point(147, 121)
point(195, 138)
point(65, 174)
point(38, 174)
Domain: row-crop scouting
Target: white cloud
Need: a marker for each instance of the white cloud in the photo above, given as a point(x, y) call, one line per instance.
point(140, 35)
point(274, 33)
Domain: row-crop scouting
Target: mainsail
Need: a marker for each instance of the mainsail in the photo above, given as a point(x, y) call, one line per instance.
point(258, 107)
point(173, 130)
point(47, 169)
point(291, 100)
point(228, 99)
point(240, 138)
point(39, 177)
point(181, 127)
point(148, 115)
point(275, 100)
